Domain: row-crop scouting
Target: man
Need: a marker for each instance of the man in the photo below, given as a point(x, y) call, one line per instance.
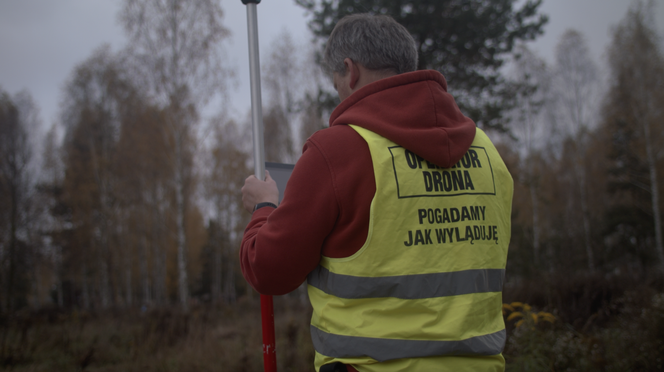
point(398, 215)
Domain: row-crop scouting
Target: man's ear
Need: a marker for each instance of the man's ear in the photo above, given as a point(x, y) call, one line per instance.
point(353, 69)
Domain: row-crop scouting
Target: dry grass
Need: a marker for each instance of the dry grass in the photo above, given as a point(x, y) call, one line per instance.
point(205, 339)
point(601, 324)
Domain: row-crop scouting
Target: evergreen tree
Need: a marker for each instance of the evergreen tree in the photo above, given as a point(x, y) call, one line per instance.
point(633, 114)
point(467, 41)
point(17, 125)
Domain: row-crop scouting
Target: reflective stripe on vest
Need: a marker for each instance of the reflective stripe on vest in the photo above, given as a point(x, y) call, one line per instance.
point(408, 287)
point(380, 349)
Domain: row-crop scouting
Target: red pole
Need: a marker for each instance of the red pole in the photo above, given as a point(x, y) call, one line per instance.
point(269, 346)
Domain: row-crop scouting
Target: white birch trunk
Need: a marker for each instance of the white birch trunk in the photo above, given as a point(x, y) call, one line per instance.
point(143, 264)
point(585, 211)
point(180, 226)
point(128, 287)
point(216, 247)
point(86, 287)
point(158, 254)
point(654, 187)
point(536, 229)
point(104, 285)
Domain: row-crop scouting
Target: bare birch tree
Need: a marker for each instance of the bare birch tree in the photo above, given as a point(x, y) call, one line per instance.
point(227, 169)
point(317, 103)
point(296, 89)
point(532, 78)
point(50, 183)
point(576, 93)
point(283, 87)
point(145, 170)
point(175, 44)
point(91, 114)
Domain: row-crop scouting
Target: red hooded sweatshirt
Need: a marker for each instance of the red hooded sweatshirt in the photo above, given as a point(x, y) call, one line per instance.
point(325, 209)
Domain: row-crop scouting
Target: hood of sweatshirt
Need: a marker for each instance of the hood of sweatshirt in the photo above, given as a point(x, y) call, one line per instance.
point(413, 110)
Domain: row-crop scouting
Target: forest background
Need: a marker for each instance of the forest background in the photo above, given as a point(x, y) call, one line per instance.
point(119, 227)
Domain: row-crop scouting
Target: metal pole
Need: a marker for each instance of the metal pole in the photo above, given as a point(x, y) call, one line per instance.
point(256, 103)
point(267, 307)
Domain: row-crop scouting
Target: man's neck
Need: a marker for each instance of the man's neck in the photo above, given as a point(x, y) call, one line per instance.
point(369, 76)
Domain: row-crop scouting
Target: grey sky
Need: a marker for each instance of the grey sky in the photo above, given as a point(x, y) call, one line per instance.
point(41, 41)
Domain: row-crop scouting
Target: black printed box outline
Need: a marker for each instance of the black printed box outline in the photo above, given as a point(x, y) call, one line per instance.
point(396, 178)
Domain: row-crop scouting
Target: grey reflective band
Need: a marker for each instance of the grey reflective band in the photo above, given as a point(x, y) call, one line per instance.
point(383, 349)
point(408, 287)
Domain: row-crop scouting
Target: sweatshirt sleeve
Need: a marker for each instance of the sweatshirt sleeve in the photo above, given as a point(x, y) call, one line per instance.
point(281, 246)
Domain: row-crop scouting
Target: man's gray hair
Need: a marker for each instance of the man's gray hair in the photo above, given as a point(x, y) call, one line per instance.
point(377, 42)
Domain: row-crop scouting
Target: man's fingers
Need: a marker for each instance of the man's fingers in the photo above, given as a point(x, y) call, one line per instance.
point(256, 191)
point(268, 178)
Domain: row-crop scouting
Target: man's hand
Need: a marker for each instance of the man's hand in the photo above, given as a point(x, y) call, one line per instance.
point(256, 191)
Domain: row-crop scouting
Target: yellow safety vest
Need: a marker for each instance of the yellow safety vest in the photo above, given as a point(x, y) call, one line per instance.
point(424, 293)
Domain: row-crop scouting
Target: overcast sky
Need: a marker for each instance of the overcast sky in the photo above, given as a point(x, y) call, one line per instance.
point(41, 41)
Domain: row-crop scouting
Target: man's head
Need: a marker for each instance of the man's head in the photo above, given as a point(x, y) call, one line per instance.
point(378, 44)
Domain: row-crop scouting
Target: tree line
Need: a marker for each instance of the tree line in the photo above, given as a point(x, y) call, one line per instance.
point(587, 155)
point(133, 198)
